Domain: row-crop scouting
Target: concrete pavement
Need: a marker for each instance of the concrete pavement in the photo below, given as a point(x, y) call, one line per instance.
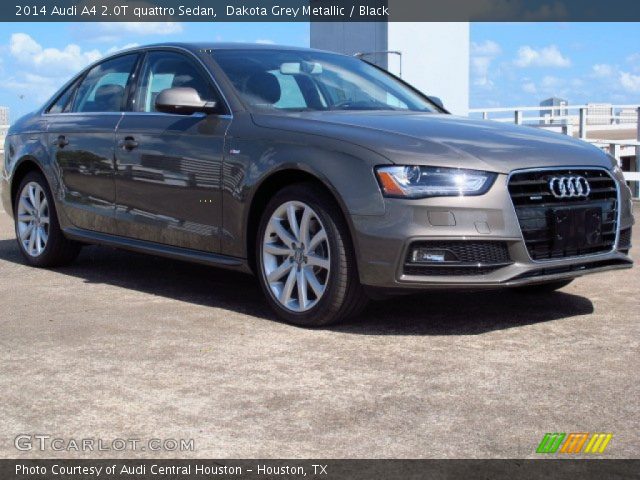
point(121, 345)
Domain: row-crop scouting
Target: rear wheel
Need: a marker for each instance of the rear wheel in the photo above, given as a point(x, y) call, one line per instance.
point(541, 288)
point(307, 267)
point(38, 232)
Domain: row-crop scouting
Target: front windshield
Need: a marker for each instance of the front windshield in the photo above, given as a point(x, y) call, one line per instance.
point(290, 80)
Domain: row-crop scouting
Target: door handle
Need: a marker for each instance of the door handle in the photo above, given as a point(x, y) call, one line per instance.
point(129, 143)
point(62, 141)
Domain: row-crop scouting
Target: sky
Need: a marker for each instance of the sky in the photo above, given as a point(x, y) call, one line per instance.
point(512, 64)
point(516, 64)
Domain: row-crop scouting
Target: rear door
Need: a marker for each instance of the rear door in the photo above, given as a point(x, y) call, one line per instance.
point(81, 136)
point(169, 166)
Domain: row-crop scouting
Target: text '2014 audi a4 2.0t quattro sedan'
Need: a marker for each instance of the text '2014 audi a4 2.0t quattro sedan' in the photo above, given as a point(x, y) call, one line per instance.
point(324, 175)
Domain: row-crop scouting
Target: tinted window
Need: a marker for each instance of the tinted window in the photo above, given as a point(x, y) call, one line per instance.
point(298, 80)
point(103, 89)
point(63, 103)
point(296, 92)
point(167, 70)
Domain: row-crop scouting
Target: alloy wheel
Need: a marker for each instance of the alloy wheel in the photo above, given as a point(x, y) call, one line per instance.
point(296, 256)
point(33, 219)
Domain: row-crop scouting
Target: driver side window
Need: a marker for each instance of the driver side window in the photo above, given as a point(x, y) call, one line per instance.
point(164, 70)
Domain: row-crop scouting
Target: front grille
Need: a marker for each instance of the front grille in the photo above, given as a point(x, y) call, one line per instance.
point(463, 258)
point(536, 208)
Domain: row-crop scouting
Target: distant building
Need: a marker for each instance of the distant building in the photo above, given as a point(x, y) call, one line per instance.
point(433, 57)
point(549, 115)
point(4, 115)
point(599, 113)
point(628, 115)
point(4, 126)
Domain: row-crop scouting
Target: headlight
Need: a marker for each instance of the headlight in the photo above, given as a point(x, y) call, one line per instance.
point(421, 182)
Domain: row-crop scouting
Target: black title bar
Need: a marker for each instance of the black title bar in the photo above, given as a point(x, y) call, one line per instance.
point(315, 469)
point(321, 11)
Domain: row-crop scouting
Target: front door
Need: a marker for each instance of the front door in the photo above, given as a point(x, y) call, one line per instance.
point(169, 166)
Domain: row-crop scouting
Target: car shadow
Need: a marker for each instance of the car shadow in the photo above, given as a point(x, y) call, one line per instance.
point(449, 312)
point(428, 313)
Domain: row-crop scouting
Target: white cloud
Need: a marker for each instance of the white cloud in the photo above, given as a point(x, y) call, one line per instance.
point(265, 41)
point(23, 44)
point(482, 56)
point(634, 58)
point(31, 59)
point(551, 82)
point(530, 87)
point(480, 68)
point(602, 70)
point(544, 57)
point(142, 28)
point(488, 48)
point(630, 82)
point(114, 31)
point(124, 47)
point(30, 53)
point(35, 88)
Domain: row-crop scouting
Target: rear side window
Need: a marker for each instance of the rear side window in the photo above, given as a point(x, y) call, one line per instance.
point(104, 87)
point(63, 103)
point(168, 70)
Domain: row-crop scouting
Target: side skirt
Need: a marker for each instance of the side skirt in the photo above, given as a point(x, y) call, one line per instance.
point(168, 251)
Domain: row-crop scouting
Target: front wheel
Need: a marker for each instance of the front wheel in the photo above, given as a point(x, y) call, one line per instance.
point(307, 267)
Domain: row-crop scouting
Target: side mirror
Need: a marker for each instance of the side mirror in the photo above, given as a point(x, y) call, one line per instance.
point(183, 100)
point(437, 101)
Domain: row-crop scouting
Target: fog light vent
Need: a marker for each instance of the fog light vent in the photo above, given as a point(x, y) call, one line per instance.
point(456, 257)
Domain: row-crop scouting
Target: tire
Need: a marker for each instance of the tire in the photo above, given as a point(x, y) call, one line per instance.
point(542, 288)
point(327, 266)
point(41, 241)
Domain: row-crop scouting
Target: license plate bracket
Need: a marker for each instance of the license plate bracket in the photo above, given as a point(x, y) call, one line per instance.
point(576, 227)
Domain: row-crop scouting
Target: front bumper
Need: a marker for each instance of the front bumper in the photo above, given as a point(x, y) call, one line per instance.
point(383, 242)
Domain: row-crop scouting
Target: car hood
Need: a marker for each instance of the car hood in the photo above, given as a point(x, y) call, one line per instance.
point(444, 140)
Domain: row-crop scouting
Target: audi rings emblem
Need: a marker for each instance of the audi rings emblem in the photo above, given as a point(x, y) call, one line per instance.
point(569, 187)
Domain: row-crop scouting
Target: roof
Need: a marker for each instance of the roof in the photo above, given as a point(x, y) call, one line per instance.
point(196, 46)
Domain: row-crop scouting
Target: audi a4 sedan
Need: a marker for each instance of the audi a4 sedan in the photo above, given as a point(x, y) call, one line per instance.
point(327, 177)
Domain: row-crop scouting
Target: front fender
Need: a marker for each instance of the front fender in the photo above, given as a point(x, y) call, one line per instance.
point(255, 155)
point(351, 179)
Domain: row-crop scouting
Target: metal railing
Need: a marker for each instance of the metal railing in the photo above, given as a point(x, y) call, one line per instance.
point(593, 117)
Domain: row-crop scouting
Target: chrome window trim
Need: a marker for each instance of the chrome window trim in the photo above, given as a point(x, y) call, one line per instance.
point(85, 113)
point(177, 115)
point(575, 257)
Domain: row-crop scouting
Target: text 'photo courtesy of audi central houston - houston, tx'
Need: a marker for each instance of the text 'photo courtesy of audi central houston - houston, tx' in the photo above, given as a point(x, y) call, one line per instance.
point(327, 177)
